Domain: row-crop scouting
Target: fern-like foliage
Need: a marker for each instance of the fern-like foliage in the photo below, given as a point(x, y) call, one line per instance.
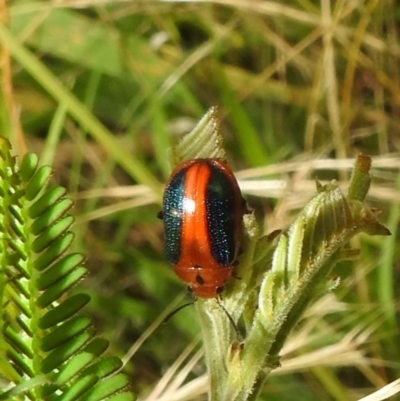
point(48, 350)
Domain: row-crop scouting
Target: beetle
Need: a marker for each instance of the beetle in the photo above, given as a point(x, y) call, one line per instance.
point(202, 213)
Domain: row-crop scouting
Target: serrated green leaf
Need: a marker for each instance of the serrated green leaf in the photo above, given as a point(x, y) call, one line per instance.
point(65, 332)
point(104, 367)
point(58, 289)
point(51, 254)
point(28, 166)
point(23, 329)
point(107, 387)
point(74, 366)
point(16, 244)
point(51, 216)
point(97, 346)
point(15, 209)
point(19, 343)
point(20, 304)
point(204, 141)
point(50, 234)
point(68, 372)
point(49, 198)
point(38, 182)
point(20, 362)
point(59, 270)
point(79, 389)
point(61, 354)
point(64, 311)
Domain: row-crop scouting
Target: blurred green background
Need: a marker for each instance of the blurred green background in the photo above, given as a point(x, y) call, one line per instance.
point(101, 88)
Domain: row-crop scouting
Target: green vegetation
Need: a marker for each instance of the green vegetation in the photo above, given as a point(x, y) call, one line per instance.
point(100, 89)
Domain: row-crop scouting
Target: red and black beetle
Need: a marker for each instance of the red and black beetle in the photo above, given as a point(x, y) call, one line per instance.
point(202, 213)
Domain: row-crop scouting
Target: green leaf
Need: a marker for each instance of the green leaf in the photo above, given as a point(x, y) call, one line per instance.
point(51, 216)
point(59, 270)
point(51, 233)
point(64, 332)
point(78, 389)
point(104, 367)
point(64, 352)
point(107, 388)
point(64, 311)
point(51, 254)
point(57, 290)
point(38, 182)
point(37, 334)
point(46, 200)
point(28, 166)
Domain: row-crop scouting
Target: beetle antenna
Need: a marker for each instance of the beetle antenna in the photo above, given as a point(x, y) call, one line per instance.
point(234, 325)
point(179, 308)
point(174, 312)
